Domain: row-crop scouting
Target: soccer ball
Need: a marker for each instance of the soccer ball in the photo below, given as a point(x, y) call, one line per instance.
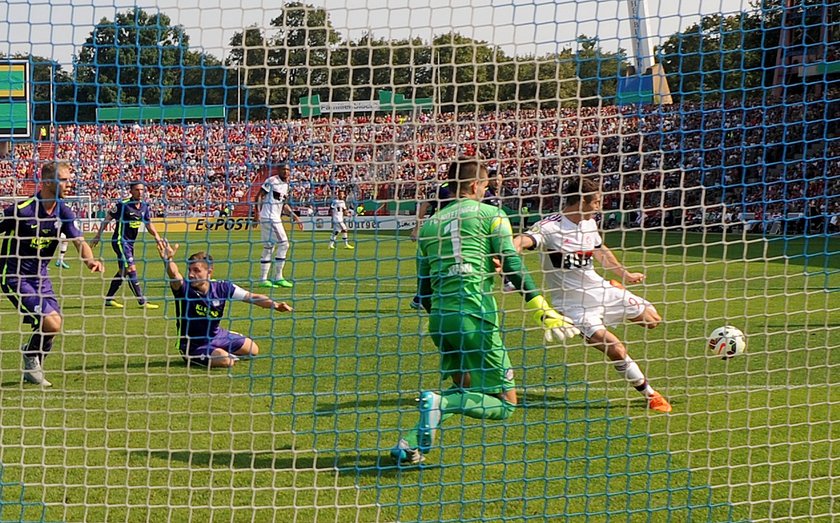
point(727, 342)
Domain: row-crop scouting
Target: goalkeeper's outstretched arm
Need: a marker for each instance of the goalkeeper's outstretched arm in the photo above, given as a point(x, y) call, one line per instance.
point(557, 327)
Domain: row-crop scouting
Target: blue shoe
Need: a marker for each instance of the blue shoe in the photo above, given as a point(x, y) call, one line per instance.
point(415, 303)
point(402, 454)
point(429, 420)
point(62, 265)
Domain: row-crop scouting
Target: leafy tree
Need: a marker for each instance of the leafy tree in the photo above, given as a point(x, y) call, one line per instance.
point(735, 56)
point(598, 70)
point(301, 49)
point(204, 81)
point(251, 57)
point(466, 72)
point(292, 62)
point(719, 54)
point(135, 59)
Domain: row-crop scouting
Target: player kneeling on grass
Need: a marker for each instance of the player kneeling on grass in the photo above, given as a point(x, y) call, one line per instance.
point(568, 242)
point(200, 305)
point(456, 249)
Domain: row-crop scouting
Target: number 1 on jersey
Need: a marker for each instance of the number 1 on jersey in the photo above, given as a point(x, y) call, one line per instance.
point(454, 231)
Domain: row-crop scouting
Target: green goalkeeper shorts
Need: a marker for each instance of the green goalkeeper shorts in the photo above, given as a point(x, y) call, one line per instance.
point(472, 345)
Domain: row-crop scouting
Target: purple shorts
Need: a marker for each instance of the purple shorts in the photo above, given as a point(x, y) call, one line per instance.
point(125, 254)
point(195, 352)
point(33, 296)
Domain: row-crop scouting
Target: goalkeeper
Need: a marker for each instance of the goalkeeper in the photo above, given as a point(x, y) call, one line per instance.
point(455, 252)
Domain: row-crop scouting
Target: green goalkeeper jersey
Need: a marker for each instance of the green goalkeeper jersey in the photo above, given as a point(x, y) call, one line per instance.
point(455, 252)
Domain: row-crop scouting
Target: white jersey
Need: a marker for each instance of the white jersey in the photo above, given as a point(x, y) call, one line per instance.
point(577, 290)
point(590, 301)
point(337, 210)
point(272, 204)
point(567, 252)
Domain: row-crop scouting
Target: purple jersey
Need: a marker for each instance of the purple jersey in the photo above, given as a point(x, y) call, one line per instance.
point(32, 236)
point(441, 197)
point(198, 315)
point(130, 216)
point(492, 198)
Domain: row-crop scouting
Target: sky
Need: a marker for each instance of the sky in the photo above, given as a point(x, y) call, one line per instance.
point(57, 28)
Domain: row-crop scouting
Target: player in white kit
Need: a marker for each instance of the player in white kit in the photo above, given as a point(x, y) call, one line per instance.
point(338, 210)
point(269, 205)
point(568, 242)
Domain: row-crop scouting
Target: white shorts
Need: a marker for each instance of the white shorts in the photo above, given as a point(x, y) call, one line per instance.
point(595, 309)
point(339, 226)
point(272, 233)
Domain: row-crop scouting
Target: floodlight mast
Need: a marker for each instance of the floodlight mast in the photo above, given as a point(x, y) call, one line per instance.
point(640, 35)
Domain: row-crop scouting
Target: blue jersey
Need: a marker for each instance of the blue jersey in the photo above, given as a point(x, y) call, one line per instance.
point(32, 236)
point(130, 216)
point(198, 315)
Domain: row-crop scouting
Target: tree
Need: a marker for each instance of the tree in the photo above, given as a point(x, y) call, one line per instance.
point(251, 56)
point(556, 81)
point(301, 48)
point(204, 81)
point(136, 59)
point(466, 72)
point(598, 70)
point(735, 56)
point(296, 60)
point(395, 65)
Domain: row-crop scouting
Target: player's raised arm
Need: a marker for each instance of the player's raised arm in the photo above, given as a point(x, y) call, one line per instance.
point(608, 261)
point(167, 254)
point(557, 327)
point(524, 242)
point(260, 300)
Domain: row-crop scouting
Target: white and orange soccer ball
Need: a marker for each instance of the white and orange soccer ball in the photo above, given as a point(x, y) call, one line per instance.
point(727, 342)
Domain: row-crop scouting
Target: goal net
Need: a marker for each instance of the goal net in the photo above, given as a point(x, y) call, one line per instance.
point(308, 149)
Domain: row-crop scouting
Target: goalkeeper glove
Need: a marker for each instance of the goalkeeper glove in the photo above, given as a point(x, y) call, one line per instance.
point(557, 327)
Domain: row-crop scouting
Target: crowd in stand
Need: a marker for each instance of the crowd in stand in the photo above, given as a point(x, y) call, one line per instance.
point(687, 164)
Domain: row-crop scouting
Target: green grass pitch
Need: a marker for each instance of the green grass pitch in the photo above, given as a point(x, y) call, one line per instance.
point(301, 433)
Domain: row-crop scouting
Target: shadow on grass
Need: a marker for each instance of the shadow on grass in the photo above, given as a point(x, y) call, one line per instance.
point(383, 310)
point(545, 401)
point(118, 364)
point(327, 409)
point(526, 401)
point(350, 464)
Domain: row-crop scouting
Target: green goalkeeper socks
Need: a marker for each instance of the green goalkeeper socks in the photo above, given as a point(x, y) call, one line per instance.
point(474, 405)
point(470, 404)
